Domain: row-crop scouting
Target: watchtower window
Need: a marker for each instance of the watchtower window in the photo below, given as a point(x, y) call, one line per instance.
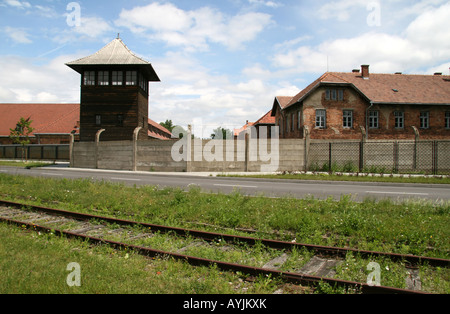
point(131, 78)
point(143, 83)
point(98, 119)
point(89, 77)
point(120, 120)
point(117, 78)
point(103, 78)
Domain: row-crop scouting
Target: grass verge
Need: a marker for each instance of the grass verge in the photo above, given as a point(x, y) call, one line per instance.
point(357, 177)
point(414, 227)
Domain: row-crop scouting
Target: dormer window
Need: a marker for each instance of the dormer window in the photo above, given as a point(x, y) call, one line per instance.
point(334, 94)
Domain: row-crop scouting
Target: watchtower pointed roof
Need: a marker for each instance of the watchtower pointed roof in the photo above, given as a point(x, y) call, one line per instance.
point(116, 53)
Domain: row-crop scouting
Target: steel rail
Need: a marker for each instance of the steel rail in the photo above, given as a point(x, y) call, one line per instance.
point(197, 261)
point(212, 236)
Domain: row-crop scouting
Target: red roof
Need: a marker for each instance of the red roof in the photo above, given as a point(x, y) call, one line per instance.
point(161, 134)
point(388, 88)
point(267, 118)
point(53, 119)
point(46, 118)
point(238, 131)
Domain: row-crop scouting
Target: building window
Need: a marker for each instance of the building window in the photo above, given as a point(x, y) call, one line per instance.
point(103, 78)
point(98, 119)
point(143, 83)
point(299, 120)
point(293, 122)
point(321, 117)
point(447, 120)
point(399, 119)
point(131, 78)
point(120, 119)
point(373, 120)
point(347, 119)
point(287, 123)
point(89, 77)
point(424, 120)
point(334, 94)
point(117, 78)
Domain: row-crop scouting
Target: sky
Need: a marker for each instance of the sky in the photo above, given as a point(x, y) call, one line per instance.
point(221, 62)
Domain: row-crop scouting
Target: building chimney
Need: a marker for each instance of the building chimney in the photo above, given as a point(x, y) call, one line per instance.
point(438, 73)
point(355, 70)
point(365, 71)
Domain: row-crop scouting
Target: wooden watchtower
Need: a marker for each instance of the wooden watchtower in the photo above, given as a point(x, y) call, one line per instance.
point(114, 93)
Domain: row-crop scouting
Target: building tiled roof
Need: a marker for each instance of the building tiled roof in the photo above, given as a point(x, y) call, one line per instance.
point(266, 119)
point(236, 132)
point(156, 130)
point(280, 102)
point(113, 54)
point(46, 118)
point(388, 88)
point(54, 119)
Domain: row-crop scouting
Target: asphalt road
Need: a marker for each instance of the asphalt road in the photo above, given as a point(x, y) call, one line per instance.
point(249, 186)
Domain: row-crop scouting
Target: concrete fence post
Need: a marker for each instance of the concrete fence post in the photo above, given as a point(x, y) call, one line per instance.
point(362, 146)
point(307, 137)
point(71, 142)
point(135, 138)
point(416, 140)
point(189, 149)
point(97, 140)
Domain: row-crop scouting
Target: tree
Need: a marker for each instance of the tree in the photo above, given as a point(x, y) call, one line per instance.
point(168, 125)
point(221, 133)
point(21, 135)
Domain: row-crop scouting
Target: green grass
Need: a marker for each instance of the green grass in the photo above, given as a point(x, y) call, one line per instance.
point(32, 263)
point(357, 177)
point(23, 164)
point(413, 227)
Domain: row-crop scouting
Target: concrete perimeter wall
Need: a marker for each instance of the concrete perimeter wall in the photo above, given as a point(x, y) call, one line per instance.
point(205, 155)
point(256, 155)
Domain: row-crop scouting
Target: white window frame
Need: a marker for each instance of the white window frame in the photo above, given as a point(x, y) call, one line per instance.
point(347, 119)
point(373, 119)
point(321, 118)
point(399, 117)
point(424, 120)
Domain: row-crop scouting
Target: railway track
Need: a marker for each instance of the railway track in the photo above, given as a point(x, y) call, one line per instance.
point(123, 234)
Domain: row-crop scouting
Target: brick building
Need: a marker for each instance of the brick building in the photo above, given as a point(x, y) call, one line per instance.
point(359, 103)
point(54, 123)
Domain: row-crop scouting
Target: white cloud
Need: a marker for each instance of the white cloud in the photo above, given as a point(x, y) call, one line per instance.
point(425, 42)
point(18, 35)
point(270, 4)
point(193, 29)
point(22, 81)
point(92, 26)
point(18, 4)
